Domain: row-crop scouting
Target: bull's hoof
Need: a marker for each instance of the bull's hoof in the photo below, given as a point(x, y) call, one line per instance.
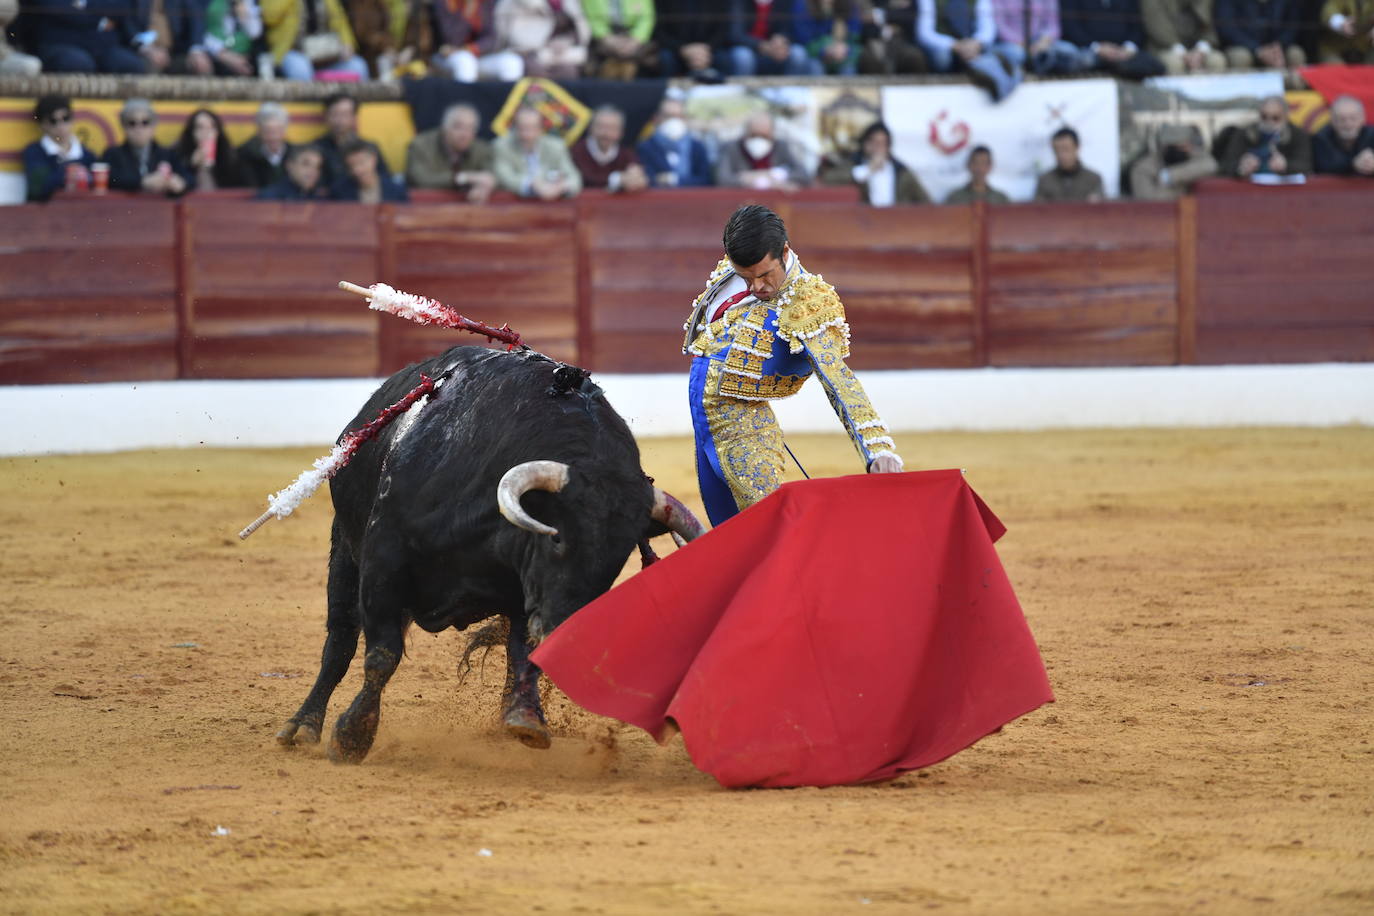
point(293, 733)
point(352, 738)
point(525, 725)
point(341, 752)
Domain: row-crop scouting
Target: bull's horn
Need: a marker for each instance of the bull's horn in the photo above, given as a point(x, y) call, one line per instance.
point(676, 517)
point(519, 480)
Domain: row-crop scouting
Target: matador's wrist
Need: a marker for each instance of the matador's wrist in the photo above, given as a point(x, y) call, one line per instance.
point(886, 463)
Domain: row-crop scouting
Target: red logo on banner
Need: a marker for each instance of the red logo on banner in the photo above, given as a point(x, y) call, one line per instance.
point(948, 137)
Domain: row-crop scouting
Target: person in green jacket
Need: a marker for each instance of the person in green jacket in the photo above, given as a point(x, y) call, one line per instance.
point(622, 37)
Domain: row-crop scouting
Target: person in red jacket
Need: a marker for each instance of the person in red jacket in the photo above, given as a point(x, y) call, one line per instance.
point(603, 158)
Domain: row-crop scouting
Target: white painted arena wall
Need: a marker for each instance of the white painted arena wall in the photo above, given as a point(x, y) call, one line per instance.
point(120, 416)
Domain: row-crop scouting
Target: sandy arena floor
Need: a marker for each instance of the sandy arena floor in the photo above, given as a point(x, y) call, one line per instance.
point(1204, 601)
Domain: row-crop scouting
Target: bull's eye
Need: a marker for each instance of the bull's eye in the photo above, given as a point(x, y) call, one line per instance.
point(557, 540)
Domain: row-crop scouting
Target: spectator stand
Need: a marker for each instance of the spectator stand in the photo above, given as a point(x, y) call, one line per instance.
point(96, 101)
point(813, 115)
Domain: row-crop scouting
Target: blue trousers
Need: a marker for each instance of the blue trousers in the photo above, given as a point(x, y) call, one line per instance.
point(987, 65)
point(96, 52)
point(1062, 57)
point(715, 492)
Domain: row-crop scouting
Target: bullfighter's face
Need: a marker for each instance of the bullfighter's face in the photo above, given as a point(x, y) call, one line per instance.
point(766, 278)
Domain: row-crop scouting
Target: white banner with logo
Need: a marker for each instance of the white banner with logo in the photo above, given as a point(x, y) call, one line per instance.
point(934, 127)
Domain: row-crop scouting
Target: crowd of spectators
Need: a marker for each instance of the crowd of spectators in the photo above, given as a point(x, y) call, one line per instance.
point(993, 42)
point(530, 162)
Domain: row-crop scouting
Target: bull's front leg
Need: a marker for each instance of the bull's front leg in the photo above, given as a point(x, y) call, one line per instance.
point(357, 727)
point(340, 645)
point(522, 714)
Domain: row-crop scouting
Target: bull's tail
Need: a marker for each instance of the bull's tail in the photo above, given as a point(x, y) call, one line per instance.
point(494, 633)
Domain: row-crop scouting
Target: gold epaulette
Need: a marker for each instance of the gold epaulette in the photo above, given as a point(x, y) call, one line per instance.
point(812, 307)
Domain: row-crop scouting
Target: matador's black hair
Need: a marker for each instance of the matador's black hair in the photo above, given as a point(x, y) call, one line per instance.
point(752, 234)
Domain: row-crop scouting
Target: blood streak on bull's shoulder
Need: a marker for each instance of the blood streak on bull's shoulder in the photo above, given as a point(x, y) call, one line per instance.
point(403, 426)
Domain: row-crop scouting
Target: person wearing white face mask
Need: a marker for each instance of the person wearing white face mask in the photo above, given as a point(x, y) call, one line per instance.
point(672, 157)
point(758, 160)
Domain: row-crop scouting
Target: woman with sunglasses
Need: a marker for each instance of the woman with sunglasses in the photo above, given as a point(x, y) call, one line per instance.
point(47, 159)
point(207, 154)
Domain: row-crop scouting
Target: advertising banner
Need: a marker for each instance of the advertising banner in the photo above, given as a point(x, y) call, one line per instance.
point(935, 127)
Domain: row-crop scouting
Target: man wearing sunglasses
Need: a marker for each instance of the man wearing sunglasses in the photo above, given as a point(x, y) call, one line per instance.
point(46, 159)
point(140, 163)
point(1272, 146)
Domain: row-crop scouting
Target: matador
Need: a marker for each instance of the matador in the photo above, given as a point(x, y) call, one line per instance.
point(761, 328)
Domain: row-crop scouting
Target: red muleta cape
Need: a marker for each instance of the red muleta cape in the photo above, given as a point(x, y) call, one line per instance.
point(842, 630)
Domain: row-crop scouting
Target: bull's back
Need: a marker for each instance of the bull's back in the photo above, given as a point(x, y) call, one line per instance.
point(494, 409)
point(354, 488)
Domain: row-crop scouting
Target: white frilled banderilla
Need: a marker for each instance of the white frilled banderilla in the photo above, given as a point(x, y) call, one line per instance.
point(382, 298)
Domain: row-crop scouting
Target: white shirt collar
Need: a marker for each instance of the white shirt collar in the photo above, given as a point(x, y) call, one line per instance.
point(52, 149)
point(882, 186)
point(602, 157)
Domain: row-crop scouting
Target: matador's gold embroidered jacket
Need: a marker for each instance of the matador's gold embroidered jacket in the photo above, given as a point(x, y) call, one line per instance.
point(769, 350)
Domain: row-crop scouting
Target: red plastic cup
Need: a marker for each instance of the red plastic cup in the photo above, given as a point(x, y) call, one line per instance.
point(78, 179)
point(100, 177)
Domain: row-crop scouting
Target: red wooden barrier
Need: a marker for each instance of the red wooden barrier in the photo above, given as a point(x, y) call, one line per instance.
point(905, 275)
point(88, 291)
point(260, 294)
point(1082, 285)
point(220, 287)
point(515, 264)
point(645, 260)
point(1285, 275)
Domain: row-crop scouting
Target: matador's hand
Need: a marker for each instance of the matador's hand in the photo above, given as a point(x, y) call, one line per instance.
point(885, 464)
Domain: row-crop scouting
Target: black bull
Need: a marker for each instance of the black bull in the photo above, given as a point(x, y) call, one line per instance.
point(419, 534)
